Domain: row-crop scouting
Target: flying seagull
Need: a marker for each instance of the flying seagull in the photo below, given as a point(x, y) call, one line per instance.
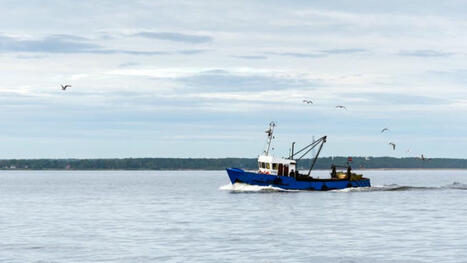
point(341, 107)
point(65, 86)
point(308, 101)
point(393, 145)
point(385, 129)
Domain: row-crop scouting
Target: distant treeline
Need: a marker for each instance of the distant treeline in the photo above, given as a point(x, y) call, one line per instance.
point(220, 163)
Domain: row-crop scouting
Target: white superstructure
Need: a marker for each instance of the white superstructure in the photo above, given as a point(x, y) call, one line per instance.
point(269, 164)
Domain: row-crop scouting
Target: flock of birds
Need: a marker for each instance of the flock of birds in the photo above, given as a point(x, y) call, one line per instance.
point(337, 107)
point(392, 144)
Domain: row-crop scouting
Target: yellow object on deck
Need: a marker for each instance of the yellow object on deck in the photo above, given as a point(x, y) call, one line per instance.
point(341, 175)
point(353, 176)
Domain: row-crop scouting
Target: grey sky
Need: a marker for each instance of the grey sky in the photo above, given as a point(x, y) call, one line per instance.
point(203, 79)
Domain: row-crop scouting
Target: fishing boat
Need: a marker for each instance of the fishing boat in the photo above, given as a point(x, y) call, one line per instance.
point(283, 172)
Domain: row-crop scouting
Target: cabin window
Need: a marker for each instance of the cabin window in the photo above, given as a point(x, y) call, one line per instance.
point(268, 166)
point(263, 165)
point(274, 166)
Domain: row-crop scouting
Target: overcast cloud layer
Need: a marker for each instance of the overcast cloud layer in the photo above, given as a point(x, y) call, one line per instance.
point(187, 79)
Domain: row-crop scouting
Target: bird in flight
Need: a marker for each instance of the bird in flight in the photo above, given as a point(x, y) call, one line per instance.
point(393, 145)
point(308, 101)
point(385, 129)
point(65, 86)
point(341, 107)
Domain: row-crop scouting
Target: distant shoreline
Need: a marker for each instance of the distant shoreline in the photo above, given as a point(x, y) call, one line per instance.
point(216, 170)
point(212, 164)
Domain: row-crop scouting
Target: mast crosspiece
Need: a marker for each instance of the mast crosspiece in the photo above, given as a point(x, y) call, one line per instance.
point(269, 132)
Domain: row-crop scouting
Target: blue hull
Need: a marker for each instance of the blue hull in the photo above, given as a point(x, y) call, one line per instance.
point(285, 182)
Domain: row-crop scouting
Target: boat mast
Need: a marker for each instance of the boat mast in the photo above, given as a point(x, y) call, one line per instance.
point(269, 132)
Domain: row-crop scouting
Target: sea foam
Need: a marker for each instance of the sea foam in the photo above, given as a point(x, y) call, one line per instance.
point(241, 187)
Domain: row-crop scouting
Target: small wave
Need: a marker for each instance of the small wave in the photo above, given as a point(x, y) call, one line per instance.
point(456, 185)
point(247, 188)
point(35, 247)
point(364, 189)
point(396, 187)
point(388, 188)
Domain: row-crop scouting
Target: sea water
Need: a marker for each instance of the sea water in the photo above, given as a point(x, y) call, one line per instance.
point(198, 216)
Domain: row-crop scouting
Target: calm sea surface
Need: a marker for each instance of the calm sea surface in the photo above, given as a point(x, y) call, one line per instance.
point(196, 216)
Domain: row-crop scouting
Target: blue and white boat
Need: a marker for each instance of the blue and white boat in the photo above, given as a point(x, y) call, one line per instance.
point(283, 173)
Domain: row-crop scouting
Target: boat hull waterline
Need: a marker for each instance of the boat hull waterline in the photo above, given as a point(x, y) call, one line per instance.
point(237, 175)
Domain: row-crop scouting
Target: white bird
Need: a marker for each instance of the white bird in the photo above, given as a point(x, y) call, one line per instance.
point(385, 129)
point(65, 86)
point(393, 145)
point(341, 107)
point(308, 101)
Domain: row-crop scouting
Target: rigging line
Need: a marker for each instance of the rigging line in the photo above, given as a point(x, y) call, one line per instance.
point(316, 156)
point(312, 145)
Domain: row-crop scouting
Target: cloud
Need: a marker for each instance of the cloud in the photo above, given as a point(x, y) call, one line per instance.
point(192, 51)
point(137, 52)
point(68, 37)
point(250, 57)
point(155, 53)
point(31, 56)
point(424, 53)
point(128, 64)
point(386, 98)
point(70, 44)
point(177, 37)
point(457, 77)
point(50, 44)
point(221, 80)
point(344, 51)
point(319, 53)
point(297, 54)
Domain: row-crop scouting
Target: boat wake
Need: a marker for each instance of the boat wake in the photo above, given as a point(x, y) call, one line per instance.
point(246, 188)
point(396, 187)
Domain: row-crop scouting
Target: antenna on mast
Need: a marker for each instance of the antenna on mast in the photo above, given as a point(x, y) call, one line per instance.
point(269, 132)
